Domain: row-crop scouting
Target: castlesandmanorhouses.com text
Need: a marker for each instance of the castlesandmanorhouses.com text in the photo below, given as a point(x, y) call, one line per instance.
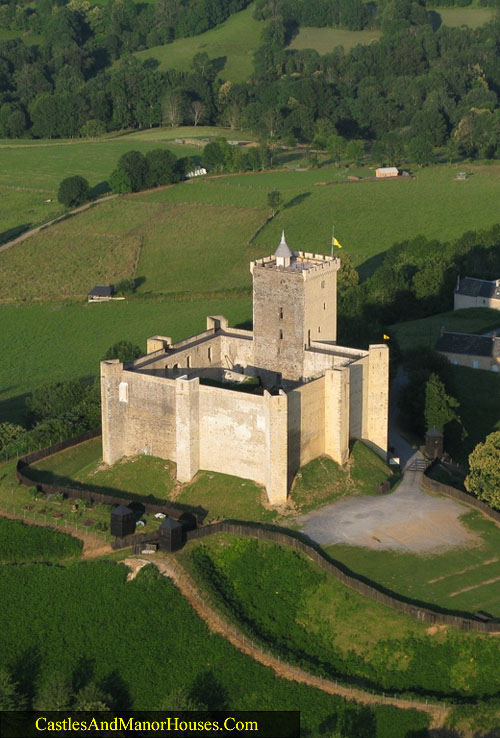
point(172, 724)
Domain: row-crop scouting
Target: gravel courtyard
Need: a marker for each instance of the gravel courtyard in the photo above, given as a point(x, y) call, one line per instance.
point(408, 519)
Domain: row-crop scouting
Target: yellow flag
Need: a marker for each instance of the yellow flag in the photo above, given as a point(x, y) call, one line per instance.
point(386, 338)
point(337, 243)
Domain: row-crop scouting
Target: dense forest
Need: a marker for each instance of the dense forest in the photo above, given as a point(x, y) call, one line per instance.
point(417, 87)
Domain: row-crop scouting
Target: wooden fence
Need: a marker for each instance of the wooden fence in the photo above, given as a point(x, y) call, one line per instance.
point(273, 534)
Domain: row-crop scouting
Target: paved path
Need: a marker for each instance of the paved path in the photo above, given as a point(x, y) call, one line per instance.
point(33, 231)
point(218, 624)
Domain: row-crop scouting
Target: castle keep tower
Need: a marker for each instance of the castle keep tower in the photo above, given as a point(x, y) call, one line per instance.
point(294, 303)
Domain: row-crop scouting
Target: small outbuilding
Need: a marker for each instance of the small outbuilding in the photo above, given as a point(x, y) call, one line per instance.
point(384, 172)
point(171, 535)
point(433, 443)
point(101, 293)
point(122, 521)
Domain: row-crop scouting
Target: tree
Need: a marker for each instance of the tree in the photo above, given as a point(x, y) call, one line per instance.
point(354, 151)
point(162, 167)
point(10, 433)
point(10, 698)
point(54, 695)
point(198, 112)
point(124, 351)
point(420, 151)
point(132, 170)
point(335, 147)
point(90, 698)
point(179, 700)
point(274, 200)
point(92, 129)
point(53, 400)
point(440, 408)
point(173, 109)
point(73, 191)
point(484, 476)
point(213, 157)
point(347, 275)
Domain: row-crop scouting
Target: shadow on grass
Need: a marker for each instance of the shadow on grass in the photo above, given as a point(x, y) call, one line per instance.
point(13, 409)
point(370, 266)
point(297, 200)
point(98, 190)
point(12, 233)
point(45, 477)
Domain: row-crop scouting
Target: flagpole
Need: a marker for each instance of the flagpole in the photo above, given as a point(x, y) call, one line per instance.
point(333, 236)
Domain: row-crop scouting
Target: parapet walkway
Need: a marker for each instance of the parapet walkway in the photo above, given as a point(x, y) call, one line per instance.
point(218, 624)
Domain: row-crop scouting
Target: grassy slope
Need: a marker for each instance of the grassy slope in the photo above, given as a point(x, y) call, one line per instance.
point(273, 591)
point(233, 43)
point(109, 238)
point(42, 343)
point(325, 39)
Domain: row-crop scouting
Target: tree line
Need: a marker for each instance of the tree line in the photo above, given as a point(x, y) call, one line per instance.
point(415, 89)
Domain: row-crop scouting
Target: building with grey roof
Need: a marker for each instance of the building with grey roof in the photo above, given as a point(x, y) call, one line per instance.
point(472, 292)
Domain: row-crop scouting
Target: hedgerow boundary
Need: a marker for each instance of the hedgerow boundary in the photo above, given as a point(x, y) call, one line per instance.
point(267, 532)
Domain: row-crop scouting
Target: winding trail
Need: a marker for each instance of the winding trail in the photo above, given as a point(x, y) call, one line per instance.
point(218, 624)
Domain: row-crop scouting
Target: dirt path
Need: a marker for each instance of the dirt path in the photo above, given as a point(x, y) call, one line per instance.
point(39, 228)
point(92, 547)
point(218, 624)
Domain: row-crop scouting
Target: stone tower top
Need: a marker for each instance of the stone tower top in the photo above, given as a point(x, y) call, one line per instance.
point(283, 255)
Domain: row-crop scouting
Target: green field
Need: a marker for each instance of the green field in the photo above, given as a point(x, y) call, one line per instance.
point(52, 342)
point(426, 331)
point(439, 578)
point(324, 40)
point(289, 604)
point(232, 44)
point(88, 624)
point(433, 204)
point(23, 543)
point(471, 17)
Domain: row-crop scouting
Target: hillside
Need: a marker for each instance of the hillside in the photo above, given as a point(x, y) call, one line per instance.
point(232, 44)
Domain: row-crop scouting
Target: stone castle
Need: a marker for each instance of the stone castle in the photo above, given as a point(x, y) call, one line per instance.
point(255, 404)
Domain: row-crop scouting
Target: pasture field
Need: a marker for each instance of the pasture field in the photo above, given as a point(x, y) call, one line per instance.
point(232, 44)
point(51, 342)
point(220, 495)
point(22, 543)
point(467, 16)
point(324, 40)
point(182, 248)
point(458, 579)
point(426, 331)
point(288, 603)
point(136, 635)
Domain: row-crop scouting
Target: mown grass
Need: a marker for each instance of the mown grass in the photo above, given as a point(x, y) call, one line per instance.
point(23, 543)
point(293, 607)
point(232, 44)
point(87, 623)
point(43, 343)
point(426, 331)
point(323, 40)
point(413, 575)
